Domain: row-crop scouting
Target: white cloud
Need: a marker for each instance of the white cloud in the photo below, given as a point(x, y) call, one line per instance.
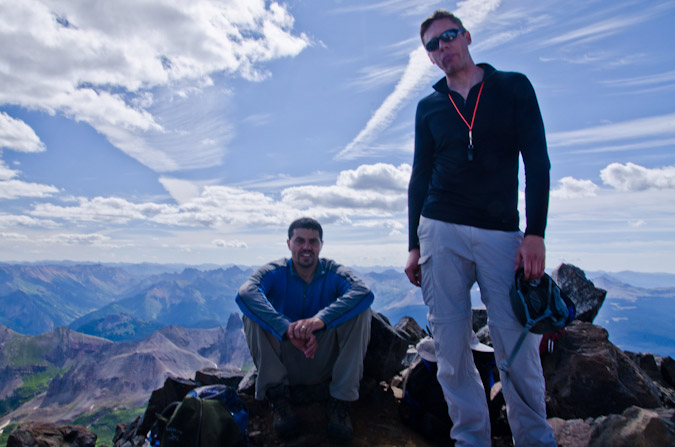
point(642, 81)
point(395, 227)
point(379, 186)
point(405, 7)
point(105, 65)
point(259, 119)
point(280, 181)
point(379, 176)
point(571, 188)
point(367, 192)
point(77, 239)
point(417, 73)
point(182, 191)
point(18, 136)
point(13, 189)
point(632, 177)
point(14, 237)
point(598, 30)
point(375, 77)
point(651, 143)
point(10, 221)
point(638, 128)
point(613, 218)
point(235, 243)
point(6, 173)
point(336, 197)
point(109, 210)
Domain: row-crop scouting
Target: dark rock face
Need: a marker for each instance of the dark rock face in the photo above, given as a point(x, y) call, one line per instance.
point(174, 389)
point(39, 434)
point(587, 376)
point(409, 329)
point(128, 435)
point(586, 297)
point(386, 349)
point(668, 371)
point(649, 364)
point(214, 376)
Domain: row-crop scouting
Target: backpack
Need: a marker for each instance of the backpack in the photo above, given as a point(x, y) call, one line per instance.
point(423, 406)
point(541, 307)
point(209, 416)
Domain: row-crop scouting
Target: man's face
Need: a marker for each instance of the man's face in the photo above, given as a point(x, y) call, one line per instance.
point(450, 56)
point(305, 246)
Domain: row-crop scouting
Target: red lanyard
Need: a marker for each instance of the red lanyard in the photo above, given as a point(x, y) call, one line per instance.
point(470, 126)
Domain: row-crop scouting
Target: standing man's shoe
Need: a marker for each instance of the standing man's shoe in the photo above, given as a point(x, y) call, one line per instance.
point(285, 422)
point(339, 422)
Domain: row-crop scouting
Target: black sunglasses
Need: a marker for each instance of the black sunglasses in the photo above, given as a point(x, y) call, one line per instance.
point(446, 36)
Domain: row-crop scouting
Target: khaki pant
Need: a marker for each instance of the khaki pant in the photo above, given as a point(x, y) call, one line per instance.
point(339, 358)
point(453, 258)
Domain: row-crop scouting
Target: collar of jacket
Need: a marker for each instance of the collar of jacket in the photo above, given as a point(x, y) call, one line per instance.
point(320, 269)
point(442, 86)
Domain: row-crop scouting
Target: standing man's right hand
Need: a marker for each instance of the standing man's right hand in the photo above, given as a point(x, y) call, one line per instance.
point(412, 267)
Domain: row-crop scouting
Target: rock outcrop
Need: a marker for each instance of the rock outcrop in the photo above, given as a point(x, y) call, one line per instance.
point(375, 415)
point(587, 376)
point(388, 345)
point(586, 297)
point(597, 395)
point(634, 427)
point(40, 434)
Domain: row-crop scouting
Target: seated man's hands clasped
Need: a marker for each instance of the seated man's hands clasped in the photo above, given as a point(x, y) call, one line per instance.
point(301, 335)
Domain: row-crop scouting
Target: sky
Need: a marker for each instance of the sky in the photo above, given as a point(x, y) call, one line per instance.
point(194, 132)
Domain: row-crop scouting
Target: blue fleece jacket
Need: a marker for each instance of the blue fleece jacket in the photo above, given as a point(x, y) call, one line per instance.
point(275, 295)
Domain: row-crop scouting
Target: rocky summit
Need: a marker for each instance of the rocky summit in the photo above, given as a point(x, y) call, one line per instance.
point(597, 395)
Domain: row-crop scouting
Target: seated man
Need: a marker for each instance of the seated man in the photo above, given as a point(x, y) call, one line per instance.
point(307, 321)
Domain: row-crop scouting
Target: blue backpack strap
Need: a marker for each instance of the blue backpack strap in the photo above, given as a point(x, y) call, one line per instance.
point(505, 365)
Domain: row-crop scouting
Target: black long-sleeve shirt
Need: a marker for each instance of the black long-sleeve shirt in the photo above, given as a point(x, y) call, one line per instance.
point(445, 185)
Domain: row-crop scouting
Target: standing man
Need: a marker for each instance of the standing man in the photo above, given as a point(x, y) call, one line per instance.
point(307, 321)
point(464, 227)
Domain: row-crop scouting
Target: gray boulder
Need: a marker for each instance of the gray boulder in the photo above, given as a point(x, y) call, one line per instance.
point(572, 432)
point(635, 427)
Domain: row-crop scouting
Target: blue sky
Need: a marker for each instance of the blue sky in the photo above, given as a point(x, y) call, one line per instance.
point(194, 132)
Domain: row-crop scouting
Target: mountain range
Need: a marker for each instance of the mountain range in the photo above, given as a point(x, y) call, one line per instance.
point(128, 302)
point(66, 376)
point(91, 341)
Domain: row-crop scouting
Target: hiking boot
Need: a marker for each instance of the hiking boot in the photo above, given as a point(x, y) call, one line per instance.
point(339, 423)
point(285, 422)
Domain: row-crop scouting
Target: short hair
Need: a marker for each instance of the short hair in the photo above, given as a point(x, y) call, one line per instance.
point(437, 15)
point(307, 223)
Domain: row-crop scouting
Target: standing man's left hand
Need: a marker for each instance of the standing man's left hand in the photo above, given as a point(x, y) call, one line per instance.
point(532, 257)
